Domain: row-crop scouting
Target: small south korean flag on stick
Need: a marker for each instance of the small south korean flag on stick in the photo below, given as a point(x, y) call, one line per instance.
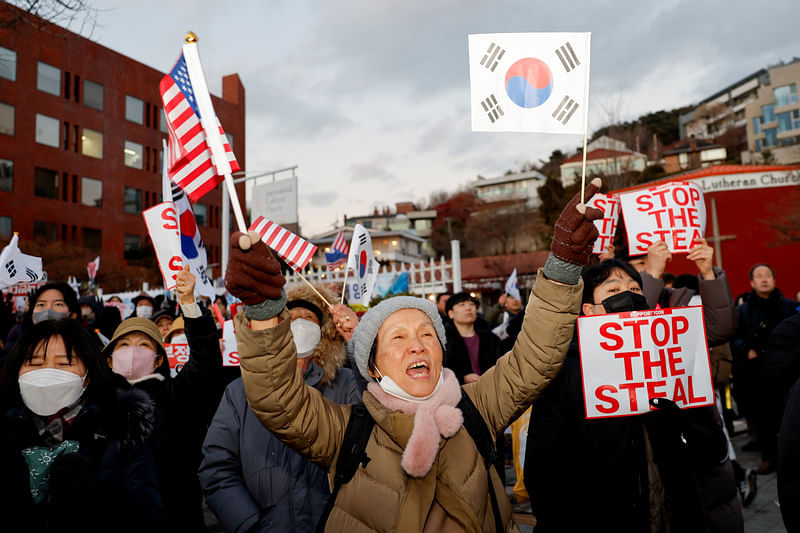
point(529, 82)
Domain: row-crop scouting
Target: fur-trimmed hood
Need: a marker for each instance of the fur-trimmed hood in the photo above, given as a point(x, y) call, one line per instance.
point(330, 354)
point(135, 414)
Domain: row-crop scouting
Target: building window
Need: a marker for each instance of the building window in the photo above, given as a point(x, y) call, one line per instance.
point(92, 143)
point(771, 137)
point(8, 64)
point(92, 239)
point(5, 226)
point(133, 246)
point(133, 155)
point(6, 175)
point(6, 119)
point(45, 183)
point(48, 79)
point(134, 109)
point(162, 124)
point(769, 113)
point(133, 200)
point(47, 130)
point(756, 124)
point(758, 145)
point(796, 118)
point(45, 231)
point(200, 214)
point(93, 95)
point(785, 121)
point(91, 192)
point(786, 95)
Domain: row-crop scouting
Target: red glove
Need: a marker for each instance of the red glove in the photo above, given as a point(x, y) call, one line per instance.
point(574, 233)
point(253, 273)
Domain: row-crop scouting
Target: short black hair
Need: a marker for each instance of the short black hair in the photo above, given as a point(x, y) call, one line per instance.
point(441, 295)
point(593, 276)
point(754, 267)
point(305, 304)
point(687, 280)
point(458, 298)
point(67, 292)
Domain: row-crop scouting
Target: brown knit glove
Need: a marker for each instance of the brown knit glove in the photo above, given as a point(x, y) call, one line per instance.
point(574, 232)
point(253, 274)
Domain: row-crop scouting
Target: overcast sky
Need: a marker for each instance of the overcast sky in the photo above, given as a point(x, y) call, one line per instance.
point(371, 98)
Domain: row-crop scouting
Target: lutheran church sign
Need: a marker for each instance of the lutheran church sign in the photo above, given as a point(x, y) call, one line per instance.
point(750, 180)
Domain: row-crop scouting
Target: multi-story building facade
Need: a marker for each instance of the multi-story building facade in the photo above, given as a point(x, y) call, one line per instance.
point(522, 186)
point(81, 130)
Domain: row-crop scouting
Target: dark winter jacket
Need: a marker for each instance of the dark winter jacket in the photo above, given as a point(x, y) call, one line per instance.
point(109, 485)
point(592, 475)
point(185, 406)
point(789, 461)
point(757, 318)
point(254, 482)
point(782, 356)
point(456, 355)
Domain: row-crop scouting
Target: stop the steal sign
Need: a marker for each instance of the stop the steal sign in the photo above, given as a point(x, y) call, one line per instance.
point(628, 358)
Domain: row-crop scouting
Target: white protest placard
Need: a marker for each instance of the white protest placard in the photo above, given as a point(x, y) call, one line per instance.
point(628, 358)
point(674, 213)
point(162, 225)
point(230, 353)
point(607, 226)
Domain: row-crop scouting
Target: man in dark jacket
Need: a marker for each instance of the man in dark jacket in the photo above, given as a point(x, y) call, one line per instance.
point(764, 309)
point(664, 469)
point(471, 350)
point(252, 481)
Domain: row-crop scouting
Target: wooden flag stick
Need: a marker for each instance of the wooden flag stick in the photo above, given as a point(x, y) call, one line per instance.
point(344, 285)
point(313, 288)
point(583, 168)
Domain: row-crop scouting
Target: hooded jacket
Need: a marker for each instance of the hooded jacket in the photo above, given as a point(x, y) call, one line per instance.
point(110, 484)
point(381, 496)
point(252, 481)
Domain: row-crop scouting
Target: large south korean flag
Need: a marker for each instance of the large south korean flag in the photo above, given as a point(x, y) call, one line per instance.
point(531, 82)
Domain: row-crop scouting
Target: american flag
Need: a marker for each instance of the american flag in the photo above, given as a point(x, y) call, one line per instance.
point(338, 256)
point(189, 157)
point(296, 251)
point(340, 244)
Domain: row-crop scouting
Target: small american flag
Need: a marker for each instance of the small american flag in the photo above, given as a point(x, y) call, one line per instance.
point(189, 157)
point(340, 244)
point(296, 251)
point(338, 256)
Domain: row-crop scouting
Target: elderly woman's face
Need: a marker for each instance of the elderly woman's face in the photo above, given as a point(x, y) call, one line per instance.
point(409, 352)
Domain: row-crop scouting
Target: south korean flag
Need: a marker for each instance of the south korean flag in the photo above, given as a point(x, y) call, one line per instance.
point(529, 82)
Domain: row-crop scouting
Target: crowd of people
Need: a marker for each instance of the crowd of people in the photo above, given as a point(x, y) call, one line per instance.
point(392, 420)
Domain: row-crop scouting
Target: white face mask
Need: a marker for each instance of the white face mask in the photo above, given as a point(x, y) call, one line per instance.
point(144, 311)
point(393, 389)
point(306, 336)
point(178, 339)
point(48, 390)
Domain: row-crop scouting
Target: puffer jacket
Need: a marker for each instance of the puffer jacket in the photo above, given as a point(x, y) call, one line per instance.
point(381, 496)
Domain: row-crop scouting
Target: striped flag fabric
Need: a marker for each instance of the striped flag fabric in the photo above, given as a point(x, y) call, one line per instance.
point(339, 249)
point(296, 251)
point(189, 158)
point(92, 267)
point(340, 243)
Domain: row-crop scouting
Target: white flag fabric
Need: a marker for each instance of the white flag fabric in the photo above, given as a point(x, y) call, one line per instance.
point(362, 267)
point(16, 267)
point(529, 82)
point(92, 267)
point(512, 286)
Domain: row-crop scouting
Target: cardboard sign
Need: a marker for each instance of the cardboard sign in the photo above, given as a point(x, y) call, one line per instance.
point(178, 355)
point(628, 358)
point(162, 225)
point(230, 352)
point(674, 213)
point(607, 226)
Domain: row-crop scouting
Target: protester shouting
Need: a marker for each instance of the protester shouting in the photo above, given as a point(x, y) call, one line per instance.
point(410, 480)
point(252, 481)
point(667, 470)
point(73, 446)
point(184, 404)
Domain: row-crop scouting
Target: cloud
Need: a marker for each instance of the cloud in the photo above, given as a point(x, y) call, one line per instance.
point(374, 170)
point(320, 198)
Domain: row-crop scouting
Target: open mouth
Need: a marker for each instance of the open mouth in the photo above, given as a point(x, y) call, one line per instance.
point(418, 370)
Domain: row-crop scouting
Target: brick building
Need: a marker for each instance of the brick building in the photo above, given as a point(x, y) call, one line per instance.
point(81, 129)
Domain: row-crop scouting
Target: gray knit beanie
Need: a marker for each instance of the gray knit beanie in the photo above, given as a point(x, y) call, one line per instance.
point(367, 328)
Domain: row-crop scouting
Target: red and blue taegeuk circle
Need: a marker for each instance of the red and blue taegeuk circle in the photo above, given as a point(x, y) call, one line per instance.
point(529, 82)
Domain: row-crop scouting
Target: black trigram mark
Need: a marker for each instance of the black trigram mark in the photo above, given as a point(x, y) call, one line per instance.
point(565, 110)
point(362, 239)
point(492, 57)
point(32, 276)
point(567, 56)
point(491, 107)
point(11, 269)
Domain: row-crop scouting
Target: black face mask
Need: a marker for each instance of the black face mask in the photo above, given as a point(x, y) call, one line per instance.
point(625, 301)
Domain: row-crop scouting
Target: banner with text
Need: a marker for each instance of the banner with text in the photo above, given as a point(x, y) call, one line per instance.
point(674, 213)
point(628, 358)
point(607, 226)
point(162, 225)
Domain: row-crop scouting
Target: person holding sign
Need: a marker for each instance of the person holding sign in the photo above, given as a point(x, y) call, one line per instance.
point(184, 404)
point(666, 470)
point(411, 480)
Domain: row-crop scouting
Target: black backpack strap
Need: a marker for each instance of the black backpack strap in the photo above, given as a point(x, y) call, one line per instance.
point(352, 454)
point(477, 429)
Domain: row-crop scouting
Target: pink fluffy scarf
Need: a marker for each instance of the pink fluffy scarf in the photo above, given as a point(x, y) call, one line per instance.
point(435, 416)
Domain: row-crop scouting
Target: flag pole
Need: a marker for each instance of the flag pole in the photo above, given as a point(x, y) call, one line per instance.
point(313, 288)
point(586, 115)
point(208, 119)
point(344, 284)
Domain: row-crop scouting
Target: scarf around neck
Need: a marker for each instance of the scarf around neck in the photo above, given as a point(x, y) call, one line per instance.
point(434, 418)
